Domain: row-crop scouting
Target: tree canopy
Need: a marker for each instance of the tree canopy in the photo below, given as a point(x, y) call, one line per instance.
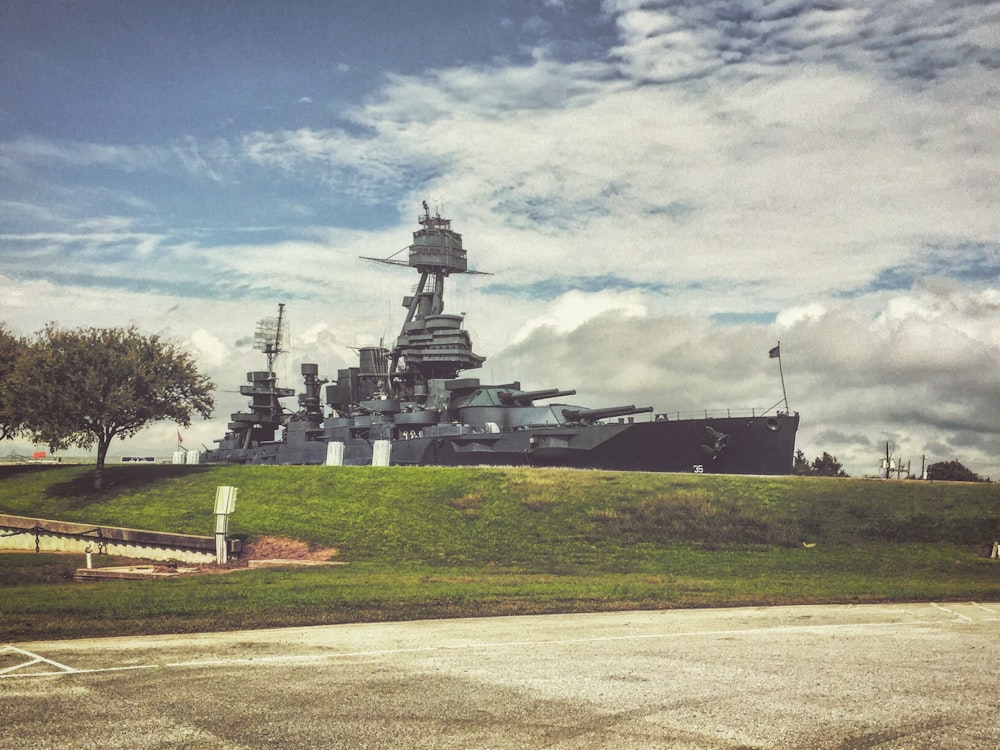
point(953, 471)
point(87, 386)
point(822, 466)
point(11, 348)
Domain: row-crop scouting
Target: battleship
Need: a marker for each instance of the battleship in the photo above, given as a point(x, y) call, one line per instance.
point(408, 405)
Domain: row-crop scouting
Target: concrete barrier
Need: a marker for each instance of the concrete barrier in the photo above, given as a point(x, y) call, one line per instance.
point(43, 535)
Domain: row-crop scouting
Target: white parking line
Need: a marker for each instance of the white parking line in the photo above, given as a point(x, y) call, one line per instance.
point(32, 660)
point(957, 615)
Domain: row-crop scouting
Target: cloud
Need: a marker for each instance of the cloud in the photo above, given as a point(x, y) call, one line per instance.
point(29, 150)
point(782, 174)
point(574, 309)
point(662, 41)
point(202, 161)
point(209, 350)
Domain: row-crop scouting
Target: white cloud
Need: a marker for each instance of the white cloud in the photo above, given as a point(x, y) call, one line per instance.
point(208, 349)
point(76, 154)
point(202, 162)
point(574, 309)
point(791, 316)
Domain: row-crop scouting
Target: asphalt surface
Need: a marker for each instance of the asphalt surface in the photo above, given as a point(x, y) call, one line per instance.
point(892, 676)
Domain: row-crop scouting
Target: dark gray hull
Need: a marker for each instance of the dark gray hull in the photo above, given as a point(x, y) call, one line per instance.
point(751, 445)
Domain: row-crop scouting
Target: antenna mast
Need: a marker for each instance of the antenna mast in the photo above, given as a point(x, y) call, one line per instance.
point(269, 334)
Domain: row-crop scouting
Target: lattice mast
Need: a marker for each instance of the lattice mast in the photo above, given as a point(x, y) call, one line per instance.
point(270, 334)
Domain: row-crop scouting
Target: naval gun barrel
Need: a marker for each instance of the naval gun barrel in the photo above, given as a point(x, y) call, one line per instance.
point(588, 416)
point(524, 398)
point(544, 393)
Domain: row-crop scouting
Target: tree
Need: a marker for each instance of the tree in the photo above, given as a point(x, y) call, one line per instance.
point(801, 466)
point(11, 348)
point(88, 386)
point(953, 471)
point(822, 466)
point(828, 466)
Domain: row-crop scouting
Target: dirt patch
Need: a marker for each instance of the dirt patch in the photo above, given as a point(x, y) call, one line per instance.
point(265, 551)
point(280, 548)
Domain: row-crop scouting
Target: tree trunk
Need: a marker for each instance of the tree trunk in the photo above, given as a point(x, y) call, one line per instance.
point(102, 453)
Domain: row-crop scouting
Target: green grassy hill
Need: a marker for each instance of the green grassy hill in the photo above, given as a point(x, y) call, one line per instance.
point(440, 542)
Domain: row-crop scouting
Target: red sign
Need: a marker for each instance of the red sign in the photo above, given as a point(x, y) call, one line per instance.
point(38, 454)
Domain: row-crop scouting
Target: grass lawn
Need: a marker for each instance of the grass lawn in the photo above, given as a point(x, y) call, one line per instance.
point(436, 542)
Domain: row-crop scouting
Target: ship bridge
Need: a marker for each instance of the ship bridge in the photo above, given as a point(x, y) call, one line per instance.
point(436, 247)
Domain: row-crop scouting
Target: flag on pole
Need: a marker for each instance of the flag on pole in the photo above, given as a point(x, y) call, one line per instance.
point(179, 438)
point(775, 353)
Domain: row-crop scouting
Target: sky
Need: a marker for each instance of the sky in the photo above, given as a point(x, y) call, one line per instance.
point(662, 191)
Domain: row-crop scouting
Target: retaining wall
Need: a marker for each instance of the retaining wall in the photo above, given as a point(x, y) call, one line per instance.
point(41, 535)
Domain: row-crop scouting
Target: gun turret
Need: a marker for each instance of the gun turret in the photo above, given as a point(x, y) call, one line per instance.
point(526, 397)
point(589, 416)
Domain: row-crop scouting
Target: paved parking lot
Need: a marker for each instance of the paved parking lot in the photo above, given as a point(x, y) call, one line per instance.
point(892, 676)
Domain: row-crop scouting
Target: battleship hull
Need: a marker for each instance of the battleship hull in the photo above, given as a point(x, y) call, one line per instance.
point(753, 445)
point(408, 406)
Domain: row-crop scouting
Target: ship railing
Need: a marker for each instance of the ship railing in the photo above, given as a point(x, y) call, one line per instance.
point(745, 413)
point(672, 416)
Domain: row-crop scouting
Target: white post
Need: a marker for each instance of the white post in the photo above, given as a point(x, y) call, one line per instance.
point(335, 453)
point(90, 562)
point(381, 452)
point(225, 504)
point(221, 553)
point(995, 555)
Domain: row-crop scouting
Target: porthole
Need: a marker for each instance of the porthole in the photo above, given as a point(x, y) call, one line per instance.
point(773, 424)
